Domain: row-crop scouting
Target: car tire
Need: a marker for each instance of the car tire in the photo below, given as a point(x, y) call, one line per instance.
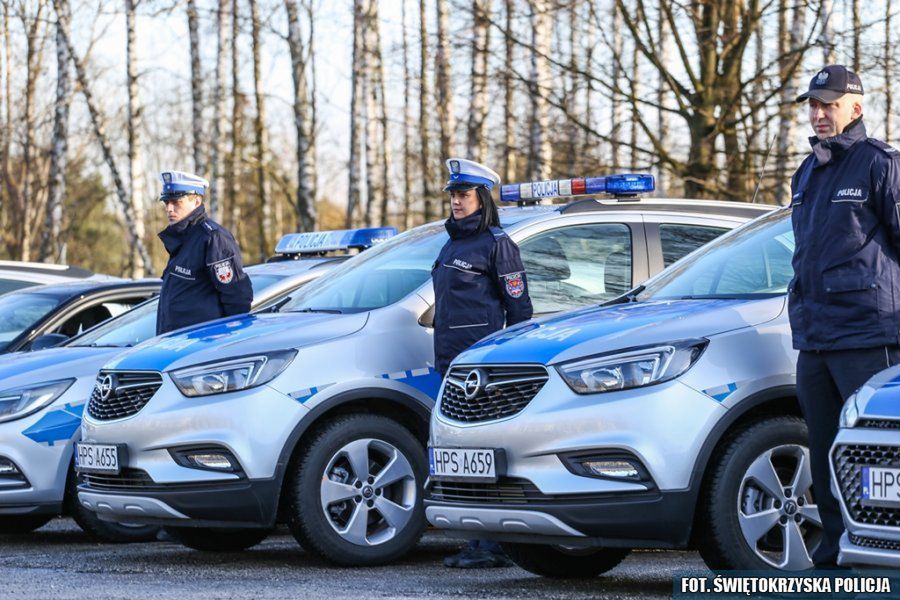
point(558, 562)
point(19, 524)
point(209, 539)
point(759, 488)
point(104, 531)
point(355, 491)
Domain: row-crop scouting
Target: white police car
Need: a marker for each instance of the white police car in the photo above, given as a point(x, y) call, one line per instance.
point(865, 469)
point(44, 393)
point(317, 416)
point(666, 420)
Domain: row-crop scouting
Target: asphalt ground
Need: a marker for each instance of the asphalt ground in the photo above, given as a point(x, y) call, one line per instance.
point(58, 562)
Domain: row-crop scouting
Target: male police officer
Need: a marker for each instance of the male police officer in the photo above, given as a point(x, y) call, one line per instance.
point(844, 301)
point(204, 279)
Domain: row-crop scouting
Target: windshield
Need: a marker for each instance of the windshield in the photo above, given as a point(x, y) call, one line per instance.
point(377, 277)
point(126, 330)
point(753, 261)
point(18, 312)
point(261, 282)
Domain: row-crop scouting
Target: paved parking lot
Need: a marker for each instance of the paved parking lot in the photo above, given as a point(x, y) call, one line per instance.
point(58, 562)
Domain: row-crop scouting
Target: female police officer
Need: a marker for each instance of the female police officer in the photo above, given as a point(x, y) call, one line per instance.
point(479, 284)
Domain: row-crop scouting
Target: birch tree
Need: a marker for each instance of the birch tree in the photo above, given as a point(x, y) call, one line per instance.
point(133, 127)
point(662, 109)
point(106, 149)
point(617, 115)
point(197, 87)
point(52, 243)
point(476, 141)
point(430, 208)
point(233, 165)
point(446, 118)
point(357, 99)
point(305, 147)
point(829, 47)
point(540, 149)
point(509, 117)
point(218, 121)
point(790, 38)
point(376, 72)
point(888, 59)
point(406, 207)
point(261, 137)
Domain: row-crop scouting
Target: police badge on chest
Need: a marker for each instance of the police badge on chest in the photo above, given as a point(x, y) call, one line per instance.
point(224, 271)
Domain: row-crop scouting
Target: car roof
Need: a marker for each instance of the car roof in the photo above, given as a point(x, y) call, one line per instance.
point(746, 210)
point(14, 266)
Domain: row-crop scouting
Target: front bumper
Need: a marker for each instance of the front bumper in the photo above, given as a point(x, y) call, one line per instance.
point(663, 428)
point(872, 534)
point(252, 425)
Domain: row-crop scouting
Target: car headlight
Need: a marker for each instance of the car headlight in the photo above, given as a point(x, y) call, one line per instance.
point(233, 374)
point(21, 402)
point(632, 368)
point(849, 413)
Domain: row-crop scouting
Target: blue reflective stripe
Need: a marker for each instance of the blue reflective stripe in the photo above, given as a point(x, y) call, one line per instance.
point(56, 426)
point(720, 393)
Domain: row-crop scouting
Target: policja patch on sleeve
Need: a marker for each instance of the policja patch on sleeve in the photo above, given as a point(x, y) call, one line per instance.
point(515, 284)
point(224, 270)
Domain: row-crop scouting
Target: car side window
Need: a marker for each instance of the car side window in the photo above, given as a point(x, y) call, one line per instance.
point(95, 314)
point(577, 265)
point(679, 240)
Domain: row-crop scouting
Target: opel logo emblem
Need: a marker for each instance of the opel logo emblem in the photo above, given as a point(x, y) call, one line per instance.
point(105, 387)
point(473, 383)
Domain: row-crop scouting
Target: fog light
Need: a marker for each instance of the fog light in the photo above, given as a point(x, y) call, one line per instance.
point(220, 462)
point(619, 469)
point(7, 468)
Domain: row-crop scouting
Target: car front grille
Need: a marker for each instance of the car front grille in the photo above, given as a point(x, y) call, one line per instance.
point(503, 392)
point(877, 543)
point(878, 424)
point(126, 479)
point(849, 459)
point(120, 394)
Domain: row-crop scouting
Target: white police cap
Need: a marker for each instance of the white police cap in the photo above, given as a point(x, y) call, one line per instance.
point(467, 174)
point(179, 183)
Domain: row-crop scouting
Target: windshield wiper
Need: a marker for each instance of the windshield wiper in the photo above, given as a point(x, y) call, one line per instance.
point(333, 311)
point(630, 296)
point(275, 307)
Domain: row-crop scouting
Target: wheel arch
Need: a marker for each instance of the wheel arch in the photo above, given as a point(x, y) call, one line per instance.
point(776, 401)
point(409, 411)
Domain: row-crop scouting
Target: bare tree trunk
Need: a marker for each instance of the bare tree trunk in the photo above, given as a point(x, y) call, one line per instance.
point(857, 32)
point(541, 152)
point(196, 87)
point(357, 100)
point(371, 124)
point(5, 173)
point(888, 74)
point(509, 117)
point(215, 143)
point(445, 112)
point(306, 201)
point(135, 113)
point(261, 138)
point(587, 142)
point(233, 166)
point(52, 243)
point(617, 115)
point(573, 81)
point(829, 48)
point(376, 71)
point(406, 218)
point(662, 115)
point(789, 41)
point(33, 59)
point(476, 143)
point(635, 94)
point(105, 147)
point(431, 207)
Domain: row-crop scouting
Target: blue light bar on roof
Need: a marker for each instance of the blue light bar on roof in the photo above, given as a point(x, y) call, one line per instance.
point(617, 185)
point(316, 242)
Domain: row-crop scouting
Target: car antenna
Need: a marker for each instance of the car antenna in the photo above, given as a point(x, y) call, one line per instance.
point(762, 169)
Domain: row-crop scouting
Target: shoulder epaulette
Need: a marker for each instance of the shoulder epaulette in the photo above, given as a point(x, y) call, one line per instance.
point(884, 147)
point(497, 232)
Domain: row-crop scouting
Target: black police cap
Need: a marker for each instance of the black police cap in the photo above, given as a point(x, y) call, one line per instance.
point(831, 83)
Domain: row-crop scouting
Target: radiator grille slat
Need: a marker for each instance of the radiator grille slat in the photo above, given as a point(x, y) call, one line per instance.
point(505, 392)
point(122, 401)
point(849, 460)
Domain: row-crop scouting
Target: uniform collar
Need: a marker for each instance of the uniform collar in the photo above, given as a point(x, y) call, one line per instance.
point(836, 146)
point(173, 235)
point(463, 227)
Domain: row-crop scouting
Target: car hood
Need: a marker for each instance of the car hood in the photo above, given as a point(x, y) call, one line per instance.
point(595, 330)
point(236, 336)
point(25, 368)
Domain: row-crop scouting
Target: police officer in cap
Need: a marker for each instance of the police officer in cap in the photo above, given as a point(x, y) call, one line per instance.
point(479, 285)
point(205, 277)
point(844, 300)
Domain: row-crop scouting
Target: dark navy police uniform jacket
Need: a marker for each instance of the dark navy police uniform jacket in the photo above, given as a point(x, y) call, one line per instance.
point(479, 284)
point(205, 277)
point(846, 288)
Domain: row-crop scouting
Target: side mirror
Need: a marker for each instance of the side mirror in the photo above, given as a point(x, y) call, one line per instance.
point(427, 318)
point(48, 340)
